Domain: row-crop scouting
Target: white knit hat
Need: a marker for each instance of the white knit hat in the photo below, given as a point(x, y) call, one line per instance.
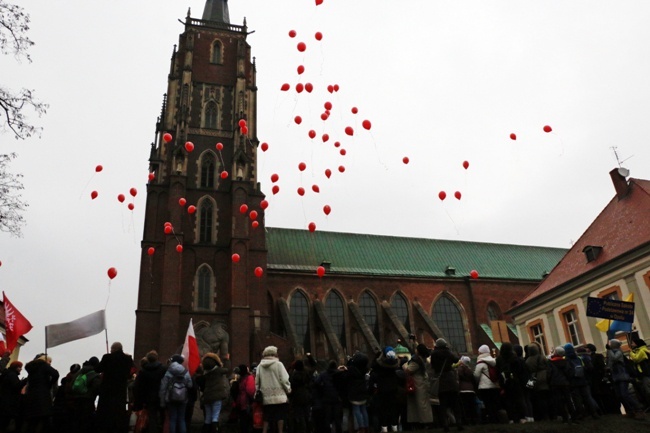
point(484, 349)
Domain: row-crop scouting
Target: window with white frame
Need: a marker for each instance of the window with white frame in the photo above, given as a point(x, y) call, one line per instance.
point(537, 333)
point(572, 326)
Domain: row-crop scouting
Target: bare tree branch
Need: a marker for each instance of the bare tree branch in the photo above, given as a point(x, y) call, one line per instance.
point(14, 25)
point(11, 202)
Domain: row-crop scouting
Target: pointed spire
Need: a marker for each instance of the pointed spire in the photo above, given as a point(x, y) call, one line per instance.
point(216, 10)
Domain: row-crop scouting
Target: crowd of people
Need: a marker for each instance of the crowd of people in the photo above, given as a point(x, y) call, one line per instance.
point(379, 392)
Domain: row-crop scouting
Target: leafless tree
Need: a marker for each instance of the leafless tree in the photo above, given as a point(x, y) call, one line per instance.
point(11, 203)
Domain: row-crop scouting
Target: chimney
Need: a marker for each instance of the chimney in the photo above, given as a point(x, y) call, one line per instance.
point(620, 183)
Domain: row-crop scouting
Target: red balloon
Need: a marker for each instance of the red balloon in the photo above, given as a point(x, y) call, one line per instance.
point(341, 168)
point(167, 137)
point(292, 33)
point(337, 144)
point(120, 198)
point(243, 130)
point(315, 188)
point(312, 227)
point(179, 248)
point(274, 177)
point(242, 123)
point(343, 152)
point(265, 147)
point(219, 146)
point(189, 146)
point(366, 124)
point(458, 195)
point(301, 69)
point(112, 273)
point(253, 215)
point(93, 195)
point(302, 166)
point(320, 271)
point(151, 251)
point(355, 110)
point(312, 133)
point(318, 36)
point(259, 272)
point(275, 189)
point(547, 128)
point(309, 87)
point(298, 120)
point(465, 165)
point(133, 192)
point(473, 274)
point(324, 116)
point(442, 195)
point(513, 136)
point(300, 87)
point(285, 87)
point(325, 137)
point(327, 209)
point(405, 160)
point(328, 173)
point(131, 206)
point(168, 229)
point(328, 105)
point(151, 176)
point(264, 204)
point(330, 88)
point(235, 258)
point(336, 87)
point(255, 224)
point(319, 2)
point(349, 130)
point(301, 46)
point(191, 209)
point(301, 191)
point(224, 174)
point(243, 208)
point(99, 168)
point(167, 223)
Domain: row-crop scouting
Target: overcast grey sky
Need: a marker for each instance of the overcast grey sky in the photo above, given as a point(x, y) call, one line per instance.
point(441, 81)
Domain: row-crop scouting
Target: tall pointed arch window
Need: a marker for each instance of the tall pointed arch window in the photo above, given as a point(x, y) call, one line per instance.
point(299, 316)
point(205, 221)
point(401, 310)
point(450, 321)
point(207, 170)
point(368, 308)
point(336, 315)
point(204, 289)
point(217, 55)
point(210, 115)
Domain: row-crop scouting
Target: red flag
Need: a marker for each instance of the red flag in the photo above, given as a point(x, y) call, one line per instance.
point(3, 343)
point(191, 351)
point(15, 324)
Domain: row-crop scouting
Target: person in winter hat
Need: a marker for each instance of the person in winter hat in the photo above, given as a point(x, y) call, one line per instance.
point(384, 385)
point(621, 378)
point(215, 387)
point(272, 380)
point(486, 376)
point(580, 391)
point(174, 394)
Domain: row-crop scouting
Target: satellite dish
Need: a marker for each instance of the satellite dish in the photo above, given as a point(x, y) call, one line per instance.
point(624, 172)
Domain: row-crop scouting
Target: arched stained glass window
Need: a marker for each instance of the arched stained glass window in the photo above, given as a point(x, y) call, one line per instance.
point(336, 315)
point(204, 289)
point(205, 222)
point(207, 171)
point(299, 315)
point(450, 321)
point(210, 117)
point(401, 310)
point(368, 308)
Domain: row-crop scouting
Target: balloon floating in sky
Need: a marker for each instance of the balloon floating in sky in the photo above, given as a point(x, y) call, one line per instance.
point(219, 146)
point(473, 274)
point(301, 69)
point(133, 192)
point(131, 206)
point(112, 273)
point(99, 168)
point(300, 87)
point(191, 209)
point(265, 147)
point(224, 174)
point(235, 258)
point(302, 166)
point(325, 138)
point(168, 229)
point(315, 188)
point(336, 87)
point(341, 168)
point(458, 195)
point(324, 116)
point(285, 87)
point(320, 271)
point(312, 133)
point(292, 33)
point(442, 195)
point(151, 251)
point(167, 137)
point(318, 36)
point(182, 201)
point(513, 136)
point(328, 173)
point(327, 209)
point(243, 208)
point(349, 131)
point(330, 88)
point(312, 227)
point(264, 204)
point(189, 146)
point(259, 272)
point(151, 176)
point(328, 105)
point(405, 160)
point(93, 195)
point(337, 144)
point(343, 152)
point(179, 248)
point(319, 2)
point(120, 198)
point(253, 215)
point(242, 123)
point(301, 191)
point(275, 189)
point(465, 165)
point(547, 128)
point(309, 87)
point(274, 177)
point(366, 124)
point(255, 224)
point(298, 120)
point(243, 130)
point(301, 46)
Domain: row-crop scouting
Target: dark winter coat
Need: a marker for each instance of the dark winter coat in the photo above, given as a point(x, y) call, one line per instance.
point(442, 363)
point(325, 391)
point(41, 380)
point(466, 381)
point(116, 371)
point(559, 377)
point(383, 377)
point(538, 366)
point(10, 387)
point(215, 384)
point(147, 385)
point(301, 383)
point(176, 373)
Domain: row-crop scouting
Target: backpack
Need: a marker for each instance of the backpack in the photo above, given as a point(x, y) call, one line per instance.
point(576, 369)
point(493, 373)
point(80, 384)
point(177, 391)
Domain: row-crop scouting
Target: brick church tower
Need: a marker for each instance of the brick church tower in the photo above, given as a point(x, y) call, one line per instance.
point(190, 273)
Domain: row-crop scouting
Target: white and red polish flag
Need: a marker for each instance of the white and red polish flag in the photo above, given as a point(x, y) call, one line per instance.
point(15, 324)
point(191, 351)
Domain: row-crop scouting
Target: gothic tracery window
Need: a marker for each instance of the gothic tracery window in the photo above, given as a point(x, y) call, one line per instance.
point(401, 310)
point(368, 308)
point(336, 315)
point(450, 321)
point(210, 115)
point(207, 171)
point(205, 221)
point(299, 316)
point(204, 289)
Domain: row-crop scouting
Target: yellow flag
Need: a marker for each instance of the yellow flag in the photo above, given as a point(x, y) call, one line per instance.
point(603, 325)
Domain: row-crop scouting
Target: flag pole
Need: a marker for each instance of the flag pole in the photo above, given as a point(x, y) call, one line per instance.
point(106, 334)
point(46, 341)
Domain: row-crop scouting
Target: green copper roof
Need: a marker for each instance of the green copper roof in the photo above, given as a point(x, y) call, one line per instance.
point(348, 253)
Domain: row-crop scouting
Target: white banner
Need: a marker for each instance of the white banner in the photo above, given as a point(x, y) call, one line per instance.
point(86, 326)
